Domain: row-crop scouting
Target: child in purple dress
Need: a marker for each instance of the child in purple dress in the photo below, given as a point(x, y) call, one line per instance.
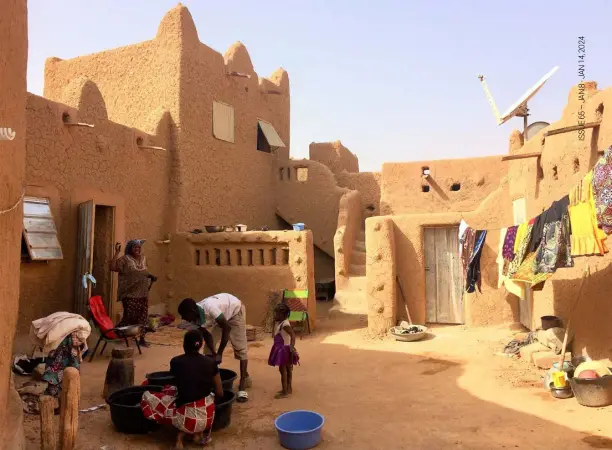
point(283, 352)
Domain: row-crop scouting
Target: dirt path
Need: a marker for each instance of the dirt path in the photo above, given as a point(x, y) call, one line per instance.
point(450, 391)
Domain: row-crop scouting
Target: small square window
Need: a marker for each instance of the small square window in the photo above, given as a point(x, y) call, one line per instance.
point(302, 173)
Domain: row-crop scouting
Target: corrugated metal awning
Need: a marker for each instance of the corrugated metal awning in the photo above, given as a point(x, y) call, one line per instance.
point(39, 230)
point(271, 135)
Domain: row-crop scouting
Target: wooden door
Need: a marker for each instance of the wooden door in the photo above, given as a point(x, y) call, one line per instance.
point(519, 211)
point(84, 262)
point(443, 278)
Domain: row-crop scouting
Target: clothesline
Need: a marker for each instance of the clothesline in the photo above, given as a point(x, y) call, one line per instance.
point(530, 253)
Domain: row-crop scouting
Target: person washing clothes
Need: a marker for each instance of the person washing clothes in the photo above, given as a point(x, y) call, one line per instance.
point(283, 354)
point(190, 406)
point(223, 312)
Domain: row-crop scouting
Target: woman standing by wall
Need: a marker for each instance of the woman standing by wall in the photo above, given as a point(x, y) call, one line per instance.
point(134, 284)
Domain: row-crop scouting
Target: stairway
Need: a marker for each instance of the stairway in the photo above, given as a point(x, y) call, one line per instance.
point(352, 299)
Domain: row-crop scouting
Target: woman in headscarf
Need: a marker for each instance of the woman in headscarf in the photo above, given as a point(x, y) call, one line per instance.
point(134, 284)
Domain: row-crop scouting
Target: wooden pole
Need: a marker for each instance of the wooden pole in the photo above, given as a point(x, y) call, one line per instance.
point(69, 408)
point(571, 128)
point(48, 438)
point(569, 317)
point(399, 283)
point(521, 156)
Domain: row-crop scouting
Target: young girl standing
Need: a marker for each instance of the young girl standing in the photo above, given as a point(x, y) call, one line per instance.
point(283, 352)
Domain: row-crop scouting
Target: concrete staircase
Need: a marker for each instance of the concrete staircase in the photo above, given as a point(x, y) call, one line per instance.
point(352, 299)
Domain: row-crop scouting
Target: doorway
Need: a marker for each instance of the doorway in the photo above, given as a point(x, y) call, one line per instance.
point(96, 237)
point(443, 278)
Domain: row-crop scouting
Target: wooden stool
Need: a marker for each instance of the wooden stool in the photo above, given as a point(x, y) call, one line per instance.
point(120, 371)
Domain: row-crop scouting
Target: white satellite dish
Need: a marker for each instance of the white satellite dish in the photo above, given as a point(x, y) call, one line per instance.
point(519, 108)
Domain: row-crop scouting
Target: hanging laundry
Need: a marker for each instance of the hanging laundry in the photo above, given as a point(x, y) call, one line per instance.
point(508, 243)
point(463, 226)
point(602, 191)
point(473, 278)
point(586, 237)
point(500, 257)
point(526, 272)
point(521, 249)
point(553, 214)
point(554, 251)
point(467, 247)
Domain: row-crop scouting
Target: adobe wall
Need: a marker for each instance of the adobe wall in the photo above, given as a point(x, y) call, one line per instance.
point(313, 200)
point(176, 72)
point(402, 185)
point(71, 165)
point(335, 156)
point(237, 180)
point(249, 265)
point(13, 61)
point(564, 162)
point(350, 221)
point(368, 185)
point(492, 306)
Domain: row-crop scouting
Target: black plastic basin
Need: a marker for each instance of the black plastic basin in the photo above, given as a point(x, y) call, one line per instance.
point(223, 410)
point(160, 378)
point(126, 413)
point(227, 379)
point(593, 392)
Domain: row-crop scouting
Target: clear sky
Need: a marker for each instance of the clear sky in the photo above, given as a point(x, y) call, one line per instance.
point(393, 80)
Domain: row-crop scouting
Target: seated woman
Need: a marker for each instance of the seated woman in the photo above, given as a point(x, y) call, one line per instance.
point(190, 406)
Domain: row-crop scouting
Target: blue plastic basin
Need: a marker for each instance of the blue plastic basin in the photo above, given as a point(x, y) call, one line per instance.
point(299, 430)
point(298, 226)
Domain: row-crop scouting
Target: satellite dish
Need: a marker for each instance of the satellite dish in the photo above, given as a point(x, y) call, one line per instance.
point(519, 108)
point(534, 129)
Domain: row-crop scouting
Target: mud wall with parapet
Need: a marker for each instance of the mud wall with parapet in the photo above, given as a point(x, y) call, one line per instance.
point(13, 63)
point(335, 156)
point(565, 159)
point(350, 221)
point(307, 192)
point(368, 185)
point(489, 307)
point(404, 190)
point(248, 265)
point(213, 181)
point(73, 164)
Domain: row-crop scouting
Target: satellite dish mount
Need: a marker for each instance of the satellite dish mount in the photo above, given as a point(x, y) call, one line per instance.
point(519, 108)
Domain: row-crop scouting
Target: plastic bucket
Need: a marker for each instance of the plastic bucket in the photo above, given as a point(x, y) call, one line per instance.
point(298, 227)
point(299, 430)
point(126, 413)
point(223, 411)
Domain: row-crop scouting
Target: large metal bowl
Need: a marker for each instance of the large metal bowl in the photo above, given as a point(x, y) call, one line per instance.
point(214, 228)
point(412, 337)
point(130, 330)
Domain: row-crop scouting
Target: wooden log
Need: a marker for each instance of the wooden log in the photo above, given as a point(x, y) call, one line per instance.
point(69, 408)
point(521, 156)
point(48, 438)
point(120, 371)
point(572, 128)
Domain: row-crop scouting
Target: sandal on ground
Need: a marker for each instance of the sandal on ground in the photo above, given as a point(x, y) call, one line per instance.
point(242, 397)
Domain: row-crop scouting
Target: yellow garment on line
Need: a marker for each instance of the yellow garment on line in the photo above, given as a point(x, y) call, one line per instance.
point(520, 236)
point(587, 238)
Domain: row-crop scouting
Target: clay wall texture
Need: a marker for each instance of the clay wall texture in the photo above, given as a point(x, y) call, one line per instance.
point(401, 186)
point(368, 186)
point(176, 72)
point(13, 61)
point(248, 265)
point(71, 165)
point(564, 162)
point(350, 222)
point(335, 156)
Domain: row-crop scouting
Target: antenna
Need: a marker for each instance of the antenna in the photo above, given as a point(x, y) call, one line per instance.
point(519, 108)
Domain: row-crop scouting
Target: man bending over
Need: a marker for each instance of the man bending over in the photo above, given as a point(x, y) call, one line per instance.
point(224, 312)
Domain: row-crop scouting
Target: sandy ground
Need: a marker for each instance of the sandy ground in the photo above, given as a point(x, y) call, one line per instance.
point(449, 391)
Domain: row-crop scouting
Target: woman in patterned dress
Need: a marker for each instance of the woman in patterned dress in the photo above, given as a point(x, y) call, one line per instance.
point(134, 285)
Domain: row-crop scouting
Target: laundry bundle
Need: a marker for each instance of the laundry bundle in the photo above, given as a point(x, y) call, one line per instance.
point(48, 332)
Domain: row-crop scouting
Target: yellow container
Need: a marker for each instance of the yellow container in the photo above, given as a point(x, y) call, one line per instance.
point(559, 380)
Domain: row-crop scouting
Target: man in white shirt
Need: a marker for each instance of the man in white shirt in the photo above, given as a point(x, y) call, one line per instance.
point(225, 312)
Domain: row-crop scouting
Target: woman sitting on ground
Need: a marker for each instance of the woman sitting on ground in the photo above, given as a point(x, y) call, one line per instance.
point(190, 406)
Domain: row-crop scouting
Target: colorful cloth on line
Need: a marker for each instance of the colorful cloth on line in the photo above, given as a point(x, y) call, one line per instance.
point(554, 251)
point(586, 237)
point(194, 417)
point(67, 354)
point(602, 191)
point(557, 210)
point(521, 250)
point(508, 248)
point(526, 272)
point(467, 246)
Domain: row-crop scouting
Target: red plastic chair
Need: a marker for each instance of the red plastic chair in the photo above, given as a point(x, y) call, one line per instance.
point(104, 324)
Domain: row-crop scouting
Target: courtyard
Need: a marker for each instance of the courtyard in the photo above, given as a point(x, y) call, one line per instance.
point(449, 391)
